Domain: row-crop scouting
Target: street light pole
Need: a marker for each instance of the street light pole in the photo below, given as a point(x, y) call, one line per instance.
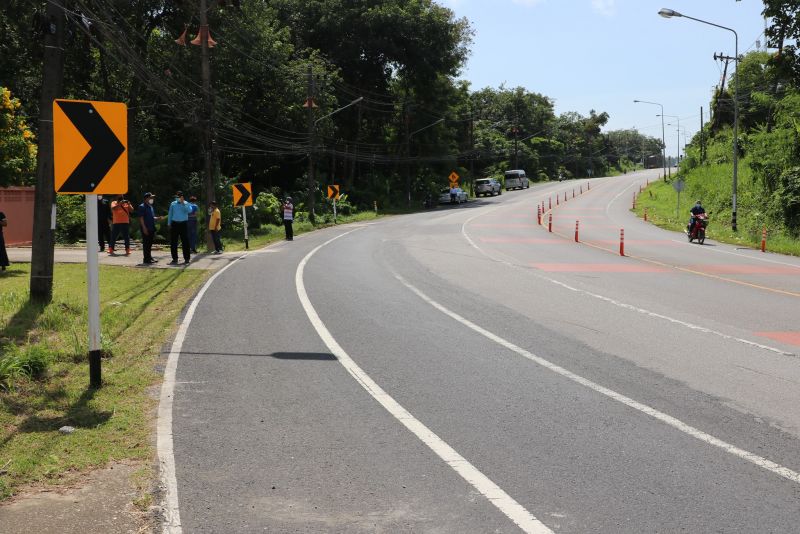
point(669, 13)
point(663, 138)
point(679, 133)
point(408, 154)
point(313, 143)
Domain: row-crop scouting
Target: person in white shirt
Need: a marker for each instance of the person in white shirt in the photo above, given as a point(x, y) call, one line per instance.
point(288, 217)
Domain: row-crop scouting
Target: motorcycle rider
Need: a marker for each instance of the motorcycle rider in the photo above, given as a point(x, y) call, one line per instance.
point(697, 209)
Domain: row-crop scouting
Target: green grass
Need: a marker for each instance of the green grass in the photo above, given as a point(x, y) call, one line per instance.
point(138, 312)
point(713, 185)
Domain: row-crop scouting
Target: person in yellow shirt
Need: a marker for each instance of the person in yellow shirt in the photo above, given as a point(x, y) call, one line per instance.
point(215, 227)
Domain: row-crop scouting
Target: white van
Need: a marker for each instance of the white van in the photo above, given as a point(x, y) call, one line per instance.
point(516, 179)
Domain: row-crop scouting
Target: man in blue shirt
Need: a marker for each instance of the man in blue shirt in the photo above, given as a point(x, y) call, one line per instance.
point(178, 221)
point(147, 223)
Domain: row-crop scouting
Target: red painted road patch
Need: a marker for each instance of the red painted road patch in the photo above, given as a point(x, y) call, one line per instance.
point(746, 269)
point(598, 268)
point(524, 240)
point(790, 338)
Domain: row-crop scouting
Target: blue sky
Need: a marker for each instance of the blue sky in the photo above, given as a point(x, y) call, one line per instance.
point(603, 54)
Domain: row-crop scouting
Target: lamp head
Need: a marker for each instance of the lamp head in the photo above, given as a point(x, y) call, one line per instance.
point(669, 13)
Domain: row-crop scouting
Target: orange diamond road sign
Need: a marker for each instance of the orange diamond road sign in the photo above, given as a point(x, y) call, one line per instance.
point(454, 177)
point(243, 194)
point(333, 192)
point(90, 147)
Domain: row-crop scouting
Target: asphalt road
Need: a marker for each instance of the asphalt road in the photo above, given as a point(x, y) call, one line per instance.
point(465, 370)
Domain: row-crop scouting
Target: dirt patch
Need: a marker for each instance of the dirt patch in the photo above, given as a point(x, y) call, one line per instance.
point(102, 501)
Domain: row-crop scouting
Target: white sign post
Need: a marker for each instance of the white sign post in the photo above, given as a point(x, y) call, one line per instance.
point(93, 287)
point(244, 222)
point(678, 185)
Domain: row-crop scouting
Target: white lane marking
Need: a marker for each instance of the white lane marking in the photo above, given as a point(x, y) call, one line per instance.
point(499, 498)
point(749, 257)
point(620, 304)
point(759, 461)
point(164, 445)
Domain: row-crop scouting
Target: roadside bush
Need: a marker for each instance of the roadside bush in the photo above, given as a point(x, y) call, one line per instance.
point(22, 362)
point(70, 218)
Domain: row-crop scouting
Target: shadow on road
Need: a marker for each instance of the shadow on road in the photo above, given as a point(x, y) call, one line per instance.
point(299, 356)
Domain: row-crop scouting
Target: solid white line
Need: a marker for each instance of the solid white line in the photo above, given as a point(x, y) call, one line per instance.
point(499, 498)
point(620, 304)
point(664, 418)
point(166, 456)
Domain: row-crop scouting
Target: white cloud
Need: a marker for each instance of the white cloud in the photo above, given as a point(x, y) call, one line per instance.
point(606, 8)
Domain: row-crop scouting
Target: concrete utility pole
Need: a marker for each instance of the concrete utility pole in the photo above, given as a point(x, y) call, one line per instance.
point(44, 209)
point(312, 179)
point(209, 149)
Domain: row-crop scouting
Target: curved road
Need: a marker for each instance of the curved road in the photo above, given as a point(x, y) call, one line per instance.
point(465, 370)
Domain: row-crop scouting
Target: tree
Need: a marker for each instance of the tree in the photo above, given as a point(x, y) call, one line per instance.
point(17, 147)
point(785, 26)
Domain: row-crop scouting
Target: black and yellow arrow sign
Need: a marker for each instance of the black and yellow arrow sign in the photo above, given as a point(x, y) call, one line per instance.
point(243, 194)
point(333, 192)
point(90, 147)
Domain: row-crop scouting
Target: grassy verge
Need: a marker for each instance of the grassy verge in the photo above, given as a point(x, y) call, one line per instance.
point(713, 186)
point(268, 233)
point(138, 311)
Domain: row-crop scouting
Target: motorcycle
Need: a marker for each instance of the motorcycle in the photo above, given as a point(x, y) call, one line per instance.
point(698, 230)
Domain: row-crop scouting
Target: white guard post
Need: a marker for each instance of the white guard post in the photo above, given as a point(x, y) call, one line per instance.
point(93, 286)
point(244, 222)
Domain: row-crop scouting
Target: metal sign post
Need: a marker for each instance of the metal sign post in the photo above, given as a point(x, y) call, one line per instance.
point(244, 221)
point(334, 211)
point(678, 185)
point(93, 286)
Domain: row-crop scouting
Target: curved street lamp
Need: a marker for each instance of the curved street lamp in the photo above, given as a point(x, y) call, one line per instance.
point(679, 133)
point(663, 139)
point(312, 171)
point(669, 13)
point(408, 154)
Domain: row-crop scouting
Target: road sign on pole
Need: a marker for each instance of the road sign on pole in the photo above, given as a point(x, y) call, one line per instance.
point(90, 157)
point(243, 194)
point(454, 177)
point(333, 192)
point(90, 147)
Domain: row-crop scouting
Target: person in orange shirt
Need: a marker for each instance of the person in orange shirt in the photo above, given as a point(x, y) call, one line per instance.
point(121, 211)
point(215, 226)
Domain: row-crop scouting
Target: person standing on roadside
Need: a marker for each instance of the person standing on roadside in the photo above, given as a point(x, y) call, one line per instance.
point(215, 227)
point(103, 223)
point(3, 254)
point(193, 224)
point(147, 223)
point(121, 211)
point(177, 220)
point(288, 217)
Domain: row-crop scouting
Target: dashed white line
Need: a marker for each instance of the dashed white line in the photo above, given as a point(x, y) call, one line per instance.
point(759, 461)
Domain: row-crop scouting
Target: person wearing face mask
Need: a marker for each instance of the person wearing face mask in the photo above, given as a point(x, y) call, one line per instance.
point(147, 222)
point(177, 220)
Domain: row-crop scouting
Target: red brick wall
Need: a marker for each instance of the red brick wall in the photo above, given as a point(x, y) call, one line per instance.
point(17, 204)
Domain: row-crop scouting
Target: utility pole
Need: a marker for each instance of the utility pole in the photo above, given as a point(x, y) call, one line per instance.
point(209, 150)
point(44, 209)
point(472, 148)
point(702, 139)
point(407, 120)
point(312, 143)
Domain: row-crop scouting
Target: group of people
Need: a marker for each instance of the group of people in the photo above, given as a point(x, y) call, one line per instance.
point(114, 220)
